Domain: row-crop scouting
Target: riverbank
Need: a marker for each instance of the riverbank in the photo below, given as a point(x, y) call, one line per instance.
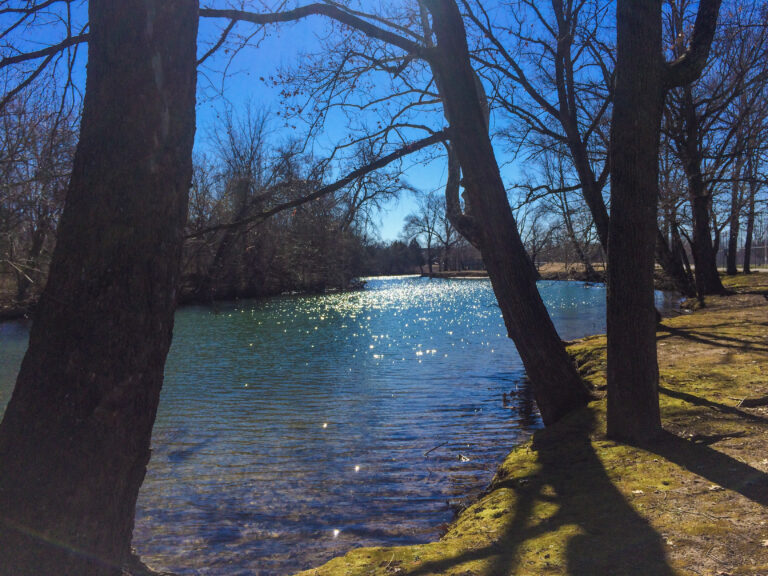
point(572, 502)
point(11, 309)
point(558, 271)
point(548, 271)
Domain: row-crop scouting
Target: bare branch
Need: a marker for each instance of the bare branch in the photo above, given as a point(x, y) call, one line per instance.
point(49, 51)
point(689, 66)
point(330, 188)
point(329, 11)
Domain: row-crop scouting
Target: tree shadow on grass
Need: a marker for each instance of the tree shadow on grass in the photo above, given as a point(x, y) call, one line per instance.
point(718, 407)
point(601, 531)
point(714, 339)
point(698, 457)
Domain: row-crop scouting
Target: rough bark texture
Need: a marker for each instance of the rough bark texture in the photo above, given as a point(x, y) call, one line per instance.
point(75, 439)
point(642, 80)
point(671, 261)
point(556, 384)
point(703, 249)
point(633, 403)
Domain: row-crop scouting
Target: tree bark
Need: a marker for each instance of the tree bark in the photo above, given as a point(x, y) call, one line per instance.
point(671, 262)
point(632, 371)
point(642, 81)
point(75, 439)
point(733, 218)
point(750, 226)
point(704, 253)
point(556, 384)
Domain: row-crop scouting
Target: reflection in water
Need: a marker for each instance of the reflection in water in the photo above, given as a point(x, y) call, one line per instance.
point(295, 428)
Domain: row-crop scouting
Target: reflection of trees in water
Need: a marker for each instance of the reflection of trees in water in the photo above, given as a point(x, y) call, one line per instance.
point(526, 406)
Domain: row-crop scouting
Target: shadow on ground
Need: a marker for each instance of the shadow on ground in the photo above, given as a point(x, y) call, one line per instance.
point(607, 535)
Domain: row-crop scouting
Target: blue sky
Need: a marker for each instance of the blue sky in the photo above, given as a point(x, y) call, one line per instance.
point(281, 47)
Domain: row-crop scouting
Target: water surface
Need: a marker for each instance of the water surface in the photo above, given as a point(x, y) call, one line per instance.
point(295, 428)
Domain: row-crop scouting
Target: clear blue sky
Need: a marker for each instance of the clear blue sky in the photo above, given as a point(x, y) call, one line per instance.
point(282, 47)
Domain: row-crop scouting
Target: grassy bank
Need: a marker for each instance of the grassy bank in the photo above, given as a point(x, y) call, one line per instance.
point(548, 271)
point(572, 502)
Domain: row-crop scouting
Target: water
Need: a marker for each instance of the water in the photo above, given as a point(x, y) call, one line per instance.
point(295, 428)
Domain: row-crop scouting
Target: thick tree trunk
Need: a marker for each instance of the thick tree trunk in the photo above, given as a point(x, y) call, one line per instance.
point(703, 248)
point(671, 263)
point(733, 219)
point(75, 439)
point(633, 404)
point(556, 384)
point(642, 79)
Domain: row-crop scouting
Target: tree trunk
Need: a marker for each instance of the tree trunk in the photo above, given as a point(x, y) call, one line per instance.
point(75, 439)
point(671, 262)
point(633, 402)
point(704, 253)
point(590, 189)
point(642, 80)
point(556, 384)
point(749, 232)
point(733, 219)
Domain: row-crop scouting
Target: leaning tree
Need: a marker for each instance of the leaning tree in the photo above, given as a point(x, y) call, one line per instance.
point(486, 218)
point(75, 439)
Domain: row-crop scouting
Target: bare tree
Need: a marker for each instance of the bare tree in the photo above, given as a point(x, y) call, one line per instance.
point(551, 65)
point(36, 151)
point(642, 80)
point(486, 219)
point(75, 437)
point(708, 125)
point(423, 225)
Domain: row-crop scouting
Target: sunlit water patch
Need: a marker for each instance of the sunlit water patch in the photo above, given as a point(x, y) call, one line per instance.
point(295, 428)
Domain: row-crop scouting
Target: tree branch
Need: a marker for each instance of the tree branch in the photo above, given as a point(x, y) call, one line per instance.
point(463, 222)
point(49, 51)
point(330, 188)
point(689, 66)
point(327, 10)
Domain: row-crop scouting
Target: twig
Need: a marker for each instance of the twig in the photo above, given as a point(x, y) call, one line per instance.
point(435, 448)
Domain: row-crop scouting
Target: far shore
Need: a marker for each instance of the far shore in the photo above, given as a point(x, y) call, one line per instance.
point(547, 271)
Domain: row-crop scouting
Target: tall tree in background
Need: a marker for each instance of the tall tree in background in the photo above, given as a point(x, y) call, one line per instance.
point(643, 79)
point(710, 124)
point(75, 439)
